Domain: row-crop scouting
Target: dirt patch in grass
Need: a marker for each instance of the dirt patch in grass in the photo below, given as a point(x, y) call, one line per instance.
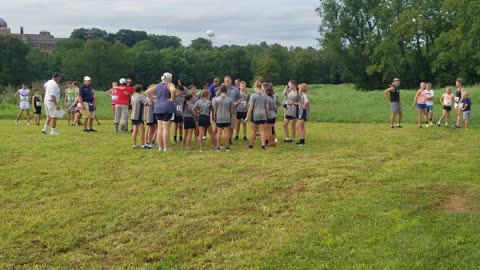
point(460, 203)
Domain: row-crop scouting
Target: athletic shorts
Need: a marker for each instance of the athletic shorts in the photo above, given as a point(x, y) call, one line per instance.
point(458, 106)
point(241, 115)
point(259, 122)
point(137, 122)
point(189, 123)
point(151, 124)
point(303, 116)
point(466, 115)
point(422, 106)
point(204, 121)
point(271, 121)
point(164, 116)
point(24, 105)
point(396, 107)
point(90, 108)
point(223, 125)
point(178, 119)
point(289, 117)
point(429, 108)
point(38, 109)
point(447, 108)
point(50, 108)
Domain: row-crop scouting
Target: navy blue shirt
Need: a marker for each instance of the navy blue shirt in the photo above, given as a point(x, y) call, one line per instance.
point(86, 93)
point(467, 103)
point(212, 91)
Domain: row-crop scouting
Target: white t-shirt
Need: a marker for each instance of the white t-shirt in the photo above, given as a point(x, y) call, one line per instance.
point(429, 94)
point(52, 89)
point(23, 94)
point(447, 99)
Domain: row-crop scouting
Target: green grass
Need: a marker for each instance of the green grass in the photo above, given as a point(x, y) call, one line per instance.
point(358, 196)
point(330, 103)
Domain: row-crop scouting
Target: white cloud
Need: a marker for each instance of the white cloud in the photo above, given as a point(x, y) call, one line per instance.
point(288, 22)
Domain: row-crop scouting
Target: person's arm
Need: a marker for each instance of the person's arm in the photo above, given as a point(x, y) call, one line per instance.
point(55, 102)
point(307, 102)
point(387, 94)
point(110, 92)
point(462, 96)
point(65, 96)
point(442, 100)
point(80, 98)
point(17, 96)
point(415, 98)
point(33, 101)
point(249, 112)
point(173, 91)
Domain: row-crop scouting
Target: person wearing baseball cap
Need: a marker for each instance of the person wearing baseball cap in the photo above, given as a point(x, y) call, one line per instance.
point(393, 96)
point(87, 102)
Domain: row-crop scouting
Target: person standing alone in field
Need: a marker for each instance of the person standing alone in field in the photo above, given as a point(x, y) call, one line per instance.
point(52, 98)
point(23, 99)
point(393, 96)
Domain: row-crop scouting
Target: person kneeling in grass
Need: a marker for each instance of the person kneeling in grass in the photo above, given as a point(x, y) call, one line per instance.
point(467, 104)
point(138, 103)
point(446, 100)
point(223, 109)
point(303, 113)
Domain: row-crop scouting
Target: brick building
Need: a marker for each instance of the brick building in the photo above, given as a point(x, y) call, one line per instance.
point(43, 40)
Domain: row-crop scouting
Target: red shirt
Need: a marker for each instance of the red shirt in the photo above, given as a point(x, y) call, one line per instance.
point(124, 93)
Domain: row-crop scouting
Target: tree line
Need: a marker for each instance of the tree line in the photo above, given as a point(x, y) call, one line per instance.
point(369, 42)
point(106, 57)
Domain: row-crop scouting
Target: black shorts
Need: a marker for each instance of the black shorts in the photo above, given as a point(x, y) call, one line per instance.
point(204, 121)
point(288, 117)
point(137, 122)
point(260, 122)
point(163, 116)
point(447, 108)
point(223, 125)
point(303, 116)
point(38, 110)
point(271, 121)
point(241, 115)
point(178, 119)
point(151, 124)
point(189, 123)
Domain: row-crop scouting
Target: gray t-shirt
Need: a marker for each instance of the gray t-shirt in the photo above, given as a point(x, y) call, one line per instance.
point(179, 105)
point(223, 106)
point(292, 97)
point(304, 103)
point(259, 103)
point(138, 103)
point(204, 107)
point(243, 105)
point(188, 109)
point(276, 98)
point(271, 108)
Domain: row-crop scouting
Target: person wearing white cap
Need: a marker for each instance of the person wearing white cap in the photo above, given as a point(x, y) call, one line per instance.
point(393, 97)
point(52, 98)
point(87, 102)
point(121, 106)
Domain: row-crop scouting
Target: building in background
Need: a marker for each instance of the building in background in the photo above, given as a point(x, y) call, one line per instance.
point(43, 41)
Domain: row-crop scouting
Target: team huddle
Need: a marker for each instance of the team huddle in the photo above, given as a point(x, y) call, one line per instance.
point(218, 110)
point(424, 101)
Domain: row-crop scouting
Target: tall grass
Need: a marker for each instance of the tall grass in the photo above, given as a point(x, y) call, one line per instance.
point(329, 103)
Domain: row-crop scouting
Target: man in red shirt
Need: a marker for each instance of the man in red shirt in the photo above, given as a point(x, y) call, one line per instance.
point(121, 107)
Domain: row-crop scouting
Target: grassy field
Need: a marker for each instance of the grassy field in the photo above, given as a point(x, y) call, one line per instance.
point(357, 196)
point(330, 103)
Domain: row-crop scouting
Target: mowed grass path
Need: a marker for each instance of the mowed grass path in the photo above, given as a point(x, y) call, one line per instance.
point(357, 196)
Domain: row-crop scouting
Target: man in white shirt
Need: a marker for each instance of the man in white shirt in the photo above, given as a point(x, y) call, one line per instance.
point(52, 106)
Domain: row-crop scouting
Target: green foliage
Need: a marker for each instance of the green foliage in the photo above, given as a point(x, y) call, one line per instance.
point(13, 61)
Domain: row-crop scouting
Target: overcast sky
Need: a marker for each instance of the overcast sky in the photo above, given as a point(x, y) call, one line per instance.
point(288, 22)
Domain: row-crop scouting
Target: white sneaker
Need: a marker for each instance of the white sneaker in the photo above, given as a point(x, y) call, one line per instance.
point(16, 122)
point(54, 133)
point(45, 131)
point(446, 124)
point(276, 140)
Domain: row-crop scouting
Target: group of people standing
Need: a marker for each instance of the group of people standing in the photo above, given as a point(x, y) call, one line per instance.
point(218, 111)
point(424, 101)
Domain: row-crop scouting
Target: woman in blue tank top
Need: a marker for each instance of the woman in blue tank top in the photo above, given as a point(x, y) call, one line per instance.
point(164, 109)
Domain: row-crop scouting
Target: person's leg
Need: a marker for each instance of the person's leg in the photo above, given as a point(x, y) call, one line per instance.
point(181, 131)
point(53, 122)
point(175, 131)
point(301, 129)
point(90, 122)
point(212, 135)
point(459, 116)
point(294, 129)
point(189, 137)
point(244, 124)
point(285, 128)
point(160, 135)
point(142, 134)
point(20, 113)
point(238, 128)
point(28, 116)
point(134, 135)
point(419, 117)
point(201, 132)
point(185, 138)
point(262, 134)
point(253, 133)
point(113, 111)
point(447, 117)
point(399, 118)
point(392, 117)
point(166, 134)
point(466, 123)
point(228, 136)
point(218, 137)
